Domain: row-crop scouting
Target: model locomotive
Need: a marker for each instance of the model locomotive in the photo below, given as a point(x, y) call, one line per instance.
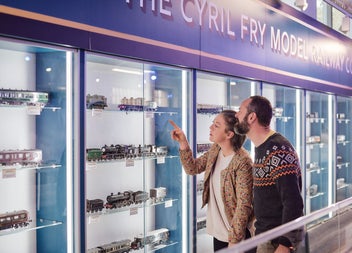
point(14, 219)
point(125, 198)
point(23, 97)
point(23, 157)
point(152, 238)
point(119, 151)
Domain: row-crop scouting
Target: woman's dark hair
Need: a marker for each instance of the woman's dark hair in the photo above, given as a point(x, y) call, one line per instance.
point(230, 120)
point(262, 108)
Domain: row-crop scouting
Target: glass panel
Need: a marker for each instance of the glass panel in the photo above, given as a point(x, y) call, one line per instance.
point(35, 156)
point(135, 188)
point(287, 113)
point(214, 93)
point(319, 130)
point(343, 149)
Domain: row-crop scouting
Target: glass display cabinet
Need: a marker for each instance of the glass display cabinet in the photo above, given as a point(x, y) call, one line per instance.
point(320, 122)
point(136, 191)
point(343, 148)
point(35, 147)
point(288, 113)
point(214, 94)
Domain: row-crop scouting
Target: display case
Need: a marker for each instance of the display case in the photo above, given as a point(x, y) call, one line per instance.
point(320, 133)
point(35, 154)
point(343, 148)
point(135, 187)
point(214, 94)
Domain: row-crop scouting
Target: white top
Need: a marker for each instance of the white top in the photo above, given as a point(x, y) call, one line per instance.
point(217, 223)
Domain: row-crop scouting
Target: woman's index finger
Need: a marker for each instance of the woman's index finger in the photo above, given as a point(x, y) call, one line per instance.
point(173, 124)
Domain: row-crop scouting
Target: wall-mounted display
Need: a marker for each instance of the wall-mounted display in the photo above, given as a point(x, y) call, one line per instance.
point(35, 156)
point(135, 189)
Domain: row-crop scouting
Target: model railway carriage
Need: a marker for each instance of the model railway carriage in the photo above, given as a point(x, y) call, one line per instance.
point(152, 238)
point(125, 198)
point(14, 219)
point(157, 194)
point(23, 157)
point(95, 205)
point(23, 97)
point(114, 247)
point(96, 102)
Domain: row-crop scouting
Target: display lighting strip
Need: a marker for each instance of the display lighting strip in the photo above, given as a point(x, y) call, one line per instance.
point(331, 132)
point(69, 158)
point(184, 175)
point(298, 122)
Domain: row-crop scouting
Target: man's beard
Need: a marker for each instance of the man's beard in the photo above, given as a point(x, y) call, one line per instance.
point(242, 128)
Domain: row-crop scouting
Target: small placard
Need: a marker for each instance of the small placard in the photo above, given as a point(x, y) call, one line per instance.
point(97, 112)
point(129, 163)
point(9, 173)
point(34, 109)
point(149, 115)
point(168, 203)
point(94, 218)
point(134, 211)
point(91, 165)
point(160, 159)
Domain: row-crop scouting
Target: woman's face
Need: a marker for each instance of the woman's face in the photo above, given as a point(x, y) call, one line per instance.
point(218, 130)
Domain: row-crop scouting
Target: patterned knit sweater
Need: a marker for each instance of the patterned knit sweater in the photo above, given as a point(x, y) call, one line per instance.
point(277, 187)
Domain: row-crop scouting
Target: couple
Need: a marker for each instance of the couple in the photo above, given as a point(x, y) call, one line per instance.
point(234, 186)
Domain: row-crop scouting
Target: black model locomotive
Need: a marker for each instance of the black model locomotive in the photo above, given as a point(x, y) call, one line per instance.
point(125, 198)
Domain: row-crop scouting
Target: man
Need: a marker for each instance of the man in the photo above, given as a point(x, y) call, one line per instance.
point(277, 175)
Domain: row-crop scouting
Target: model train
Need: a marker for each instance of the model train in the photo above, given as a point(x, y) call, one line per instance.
point(119, 151)
point(152, 238)
point(23, 157)
point(96, 101)
point(126, 198)
point(14, 219)
point(23, 97)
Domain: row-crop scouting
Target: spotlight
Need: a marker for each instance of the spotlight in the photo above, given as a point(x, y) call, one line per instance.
point(302, 4)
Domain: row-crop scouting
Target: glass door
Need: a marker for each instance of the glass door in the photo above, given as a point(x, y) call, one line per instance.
point(320, 122)
point(136, 191)
point(35, 149)
point(343, 148)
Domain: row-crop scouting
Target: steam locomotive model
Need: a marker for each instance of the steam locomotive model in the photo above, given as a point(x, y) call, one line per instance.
point(152, 238)
point(94, 205)
point(125, 198)
point(96, 102)
point(23, 157)
point(157, 194)
point(14, 219)
point(137, 104)
point(23, 97)
point(118, 151)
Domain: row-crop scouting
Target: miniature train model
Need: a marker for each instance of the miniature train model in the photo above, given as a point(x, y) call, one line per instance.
point(23, 157)
point(152, 238)
point(115, 247)
point(23, 97)
point(125, 198)
point(96, 102)
point(114, 152)
point(14, 219)
point(157, 194)
point(137, 104)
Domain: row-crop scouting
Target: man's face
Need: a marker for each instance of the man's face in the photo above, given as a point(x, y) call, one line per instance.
point(242, 127)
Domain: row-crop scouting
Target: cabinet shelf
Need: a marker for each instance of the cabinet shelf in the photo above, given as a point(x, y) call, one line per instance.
point(316, 195)
point(282, 118)
point(41, 223)
point(340, 187)
point(93, 216)
point(343, 142)
point(159, 111)
point(343, 121)
point(29, 167)
point(316, 120)
point(341, 165)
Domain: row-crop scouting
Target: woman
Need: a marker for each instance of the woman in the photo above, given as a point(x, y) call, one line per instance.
point(228, 179)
